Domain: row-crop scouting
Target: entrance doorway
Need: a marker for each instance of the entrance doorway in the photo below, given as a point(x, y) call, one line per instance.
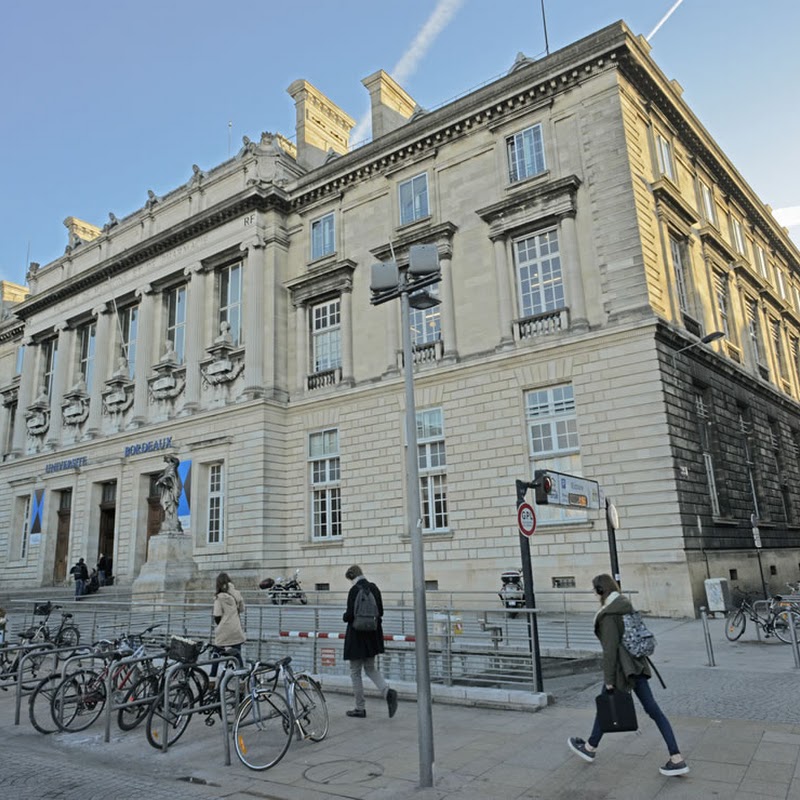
point(62, 536)
point(155, 513)
point(108, 513)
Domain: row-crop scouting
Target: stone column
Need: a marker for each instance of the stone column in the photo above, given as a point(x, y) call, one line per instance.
point(572, 274)
point(391, 315)
point(504, 304)
point(346, 333)
point(64, 359)
point(195, 335)
point(25, 396)
point(254, 320)
point(144, 354)
point(103, 335)
point(448, 310)
point(301, 347)
point(669, 271)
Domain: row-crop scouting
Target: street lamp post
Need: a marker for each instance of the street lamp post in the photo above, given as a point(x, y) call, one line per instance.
point(387, 283)
point(707, 339)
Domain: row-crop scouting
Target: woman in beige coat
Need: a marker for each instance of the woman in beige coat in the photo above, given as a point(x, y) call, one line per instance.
point(228, 607)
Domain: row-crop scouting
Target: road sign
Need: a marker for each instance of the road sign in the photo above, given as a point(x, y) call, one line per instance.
point(526, 519)
point(569, 490)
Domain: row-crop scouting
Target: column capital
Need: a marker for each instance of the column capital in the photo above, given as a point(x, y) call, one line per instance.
point(256, 241)
point(27, 341)
point(61, 326)
point(143, 290)
point(193, 269)
point(103, 308)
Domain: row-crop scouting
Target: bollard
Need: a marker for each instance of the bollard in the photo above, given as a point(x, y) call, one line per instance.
point(709, 646)
point(793, 634)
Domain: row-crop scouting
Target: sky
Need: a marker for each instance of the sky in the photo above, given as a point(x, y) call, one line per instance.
point(100, 101)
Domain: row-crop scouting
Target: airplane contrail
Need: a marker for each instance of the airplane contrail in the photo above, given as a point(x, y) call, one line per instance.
point(438, 20)
point(663, 20)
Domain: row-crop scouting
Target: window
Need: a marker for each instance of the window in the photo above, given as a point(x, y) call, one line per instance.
point(794, 349)
point(326, 500)
point(432, 469)
point(49, 359)
point(176, 321)
point(413, 199)
point(230, 300)
point(775, 330)
point(11, 411)
point(426, 323)
point(704, 431)
point(326, 336)
point(779, 469)
point(129, 322)
point(24, 506)
point(525, 154)
point(753, 331)
point(707, 200)
point(664, 154)
point(737, 236)
point(746, 428)
point(680, 265)
point(721, 295)
point(88, 338)
point(323, 234)
point(20, 359)
point(761, 261)
point(553, 441)
point(216, 500)
point(541, 288)
point(781, 280)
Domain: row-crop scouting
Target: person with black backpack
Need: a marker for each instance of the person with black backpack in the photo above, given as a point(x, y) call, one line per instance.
point(626, 667)
point(364, 640)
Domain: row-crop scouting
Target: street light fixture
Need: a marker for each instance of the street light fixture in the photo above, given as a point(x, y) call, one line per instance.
point(387, 282)
point(707, 339)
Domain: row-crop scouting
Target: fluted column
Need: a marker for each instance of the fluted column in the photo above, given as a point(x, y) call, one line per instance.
point(301, 347)
point(103, 335)
point(64, 358)
point(346, 333)
point(448, 309)
point(572, 274)
point(144, 354)
point(195, 335)
point(24, 396)
point(254, 318)
point(504, 304)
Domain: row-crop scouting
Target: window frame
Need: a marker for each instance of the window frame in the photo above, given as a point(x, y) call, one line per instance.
point(229, 306)
point(664, 156)
point(25, 523)
point(762, 264)
point(707, 202)
point(215, 503)
point(175, 329)
point(326, 225)
point(426, 323)
point(529, 297)
point(681, 270)
point(737, 236)
point(526, 162)
point(432, 468)
point(325, 494)
point(49, 363)
point(326, 335)
point(87, 349)
point(129, 322)
point(417, 213)
point(722, 301)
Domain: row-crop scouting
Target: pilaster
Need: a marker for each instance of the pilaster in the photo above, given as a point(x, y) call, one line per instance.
point(101, 355)
point(144, 354)
point(30, 358)
point(195, 334)
point(254, 318)
point(64, 359)
point(504, 307)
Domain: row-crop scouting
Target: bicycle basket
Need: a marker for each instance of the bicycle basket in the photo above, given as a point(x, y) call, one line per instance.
point(181, 649)
point(42, 609)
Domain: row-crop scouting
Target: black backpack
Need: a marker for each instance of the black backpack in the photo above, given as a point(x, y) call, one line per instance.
point(365, 609)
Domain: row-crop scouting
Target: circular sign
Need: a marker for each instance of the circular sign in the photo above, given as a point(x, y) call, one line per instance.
point(526, 519)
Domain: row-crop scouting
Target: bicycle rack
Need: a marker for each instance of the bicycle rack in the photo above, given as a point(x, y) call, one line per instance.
point(32, 650)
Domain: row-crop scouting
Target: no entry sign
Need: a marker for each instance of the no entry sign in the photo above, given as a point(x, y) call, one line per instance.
point(526, 519)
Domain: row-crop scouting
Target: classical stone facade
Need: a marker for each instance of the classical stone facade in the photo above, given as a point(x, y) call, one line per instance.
point(589, 231)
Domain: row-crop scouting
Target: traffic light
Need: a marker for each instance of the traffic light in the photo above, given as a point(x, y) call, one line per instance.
point(543, 485)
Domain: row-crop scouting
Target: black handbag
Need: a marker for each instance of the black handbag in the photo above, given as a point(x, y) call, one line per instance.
point(615, 712)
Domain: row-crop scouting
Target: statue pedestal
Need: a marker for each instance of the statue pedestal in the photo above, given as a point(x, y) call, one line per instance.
point(168, 571)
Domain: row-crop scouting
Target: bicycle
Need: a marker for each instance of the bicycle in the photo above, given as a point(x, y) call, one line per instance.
point(67, 635)
point(777, 620)
point(79, 699)
point(267, 719)
point(11, 657)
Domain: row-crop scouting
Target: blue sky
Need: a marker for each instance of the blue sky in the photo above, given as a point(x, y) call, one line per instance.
point(103, 101)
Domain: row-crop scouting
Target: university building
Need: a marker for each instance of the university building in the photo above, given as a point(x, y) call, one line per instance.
point(591, 236)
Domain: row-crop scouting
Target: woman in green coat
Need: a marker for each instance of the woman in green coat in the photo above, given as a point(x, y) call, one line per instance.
point(623, 672)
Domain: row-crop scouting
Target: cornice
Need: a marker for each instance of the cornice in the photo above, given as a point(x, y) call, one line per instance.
point(251, 199)
point(667, 193)
point(337, 277)
point(536, 194)
point(440, 235)
point(13, 330)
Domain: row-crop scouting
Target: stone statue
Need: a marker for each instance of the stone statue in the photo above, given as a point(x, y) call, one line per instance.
point(224, 333)
point(122, 368)
point(170, 487)
point(42, 398)
point(112, 221)
point(197, 176)
point(152, 199)
point(170, 355)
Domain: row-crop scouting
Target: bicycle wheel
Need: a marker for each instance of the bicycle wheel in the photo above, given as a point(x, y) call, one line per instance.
point(735, 623)
point(68, 636)
point(303, 598)
point(36, 665)
point(79, 700)
point(180, 702)
point(136, 708)
point(263, 730)
point(40, 704)
point(781, 625)
point(310, 708)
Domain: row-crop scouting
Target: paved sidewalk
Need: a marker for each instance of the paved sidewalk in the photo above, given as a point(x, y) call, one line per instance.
point(480, 754)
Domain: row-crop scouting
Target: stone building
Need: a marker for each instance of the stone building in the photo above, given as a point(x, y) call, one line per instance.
point(591, 234)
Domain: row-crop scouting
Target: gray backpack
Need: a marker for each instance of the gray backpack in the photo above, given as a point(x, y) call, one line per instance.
point(365, 609)
point(636, 638)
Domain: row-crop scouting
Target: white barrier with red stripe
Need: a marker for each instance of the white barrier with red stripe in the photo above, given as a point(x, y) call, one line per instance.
point(323, 635)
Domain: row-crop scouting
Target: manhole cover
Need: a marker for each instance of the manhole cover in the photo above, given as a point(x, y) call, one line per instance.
point(343, 772)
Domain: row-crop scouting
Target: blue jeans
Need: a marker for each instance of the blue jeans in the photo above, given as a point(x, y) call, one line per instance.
point(80, 587)
point(642, 690)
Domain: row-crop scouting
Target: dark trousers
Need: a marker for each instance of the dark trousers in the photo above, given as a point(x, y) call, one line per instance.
point(229, 650)
point(80, 587)
point(645, 694)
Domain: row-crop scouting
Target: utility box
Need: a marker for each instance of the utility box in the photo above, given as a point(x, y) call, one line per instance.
point(718, 596)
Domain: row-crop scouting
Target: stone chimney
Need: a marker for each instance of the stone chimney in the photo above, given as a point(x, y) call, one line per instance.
point(391, 104)
point(321, 125)
point(80, 231)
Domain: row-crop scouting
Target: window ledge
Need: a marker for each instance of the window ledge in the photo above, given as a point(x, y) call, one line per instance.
point(422, 222)
point(728, 522)
point(431, 535)
point(315, 544)
point(530, 180)
point(321, 261)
